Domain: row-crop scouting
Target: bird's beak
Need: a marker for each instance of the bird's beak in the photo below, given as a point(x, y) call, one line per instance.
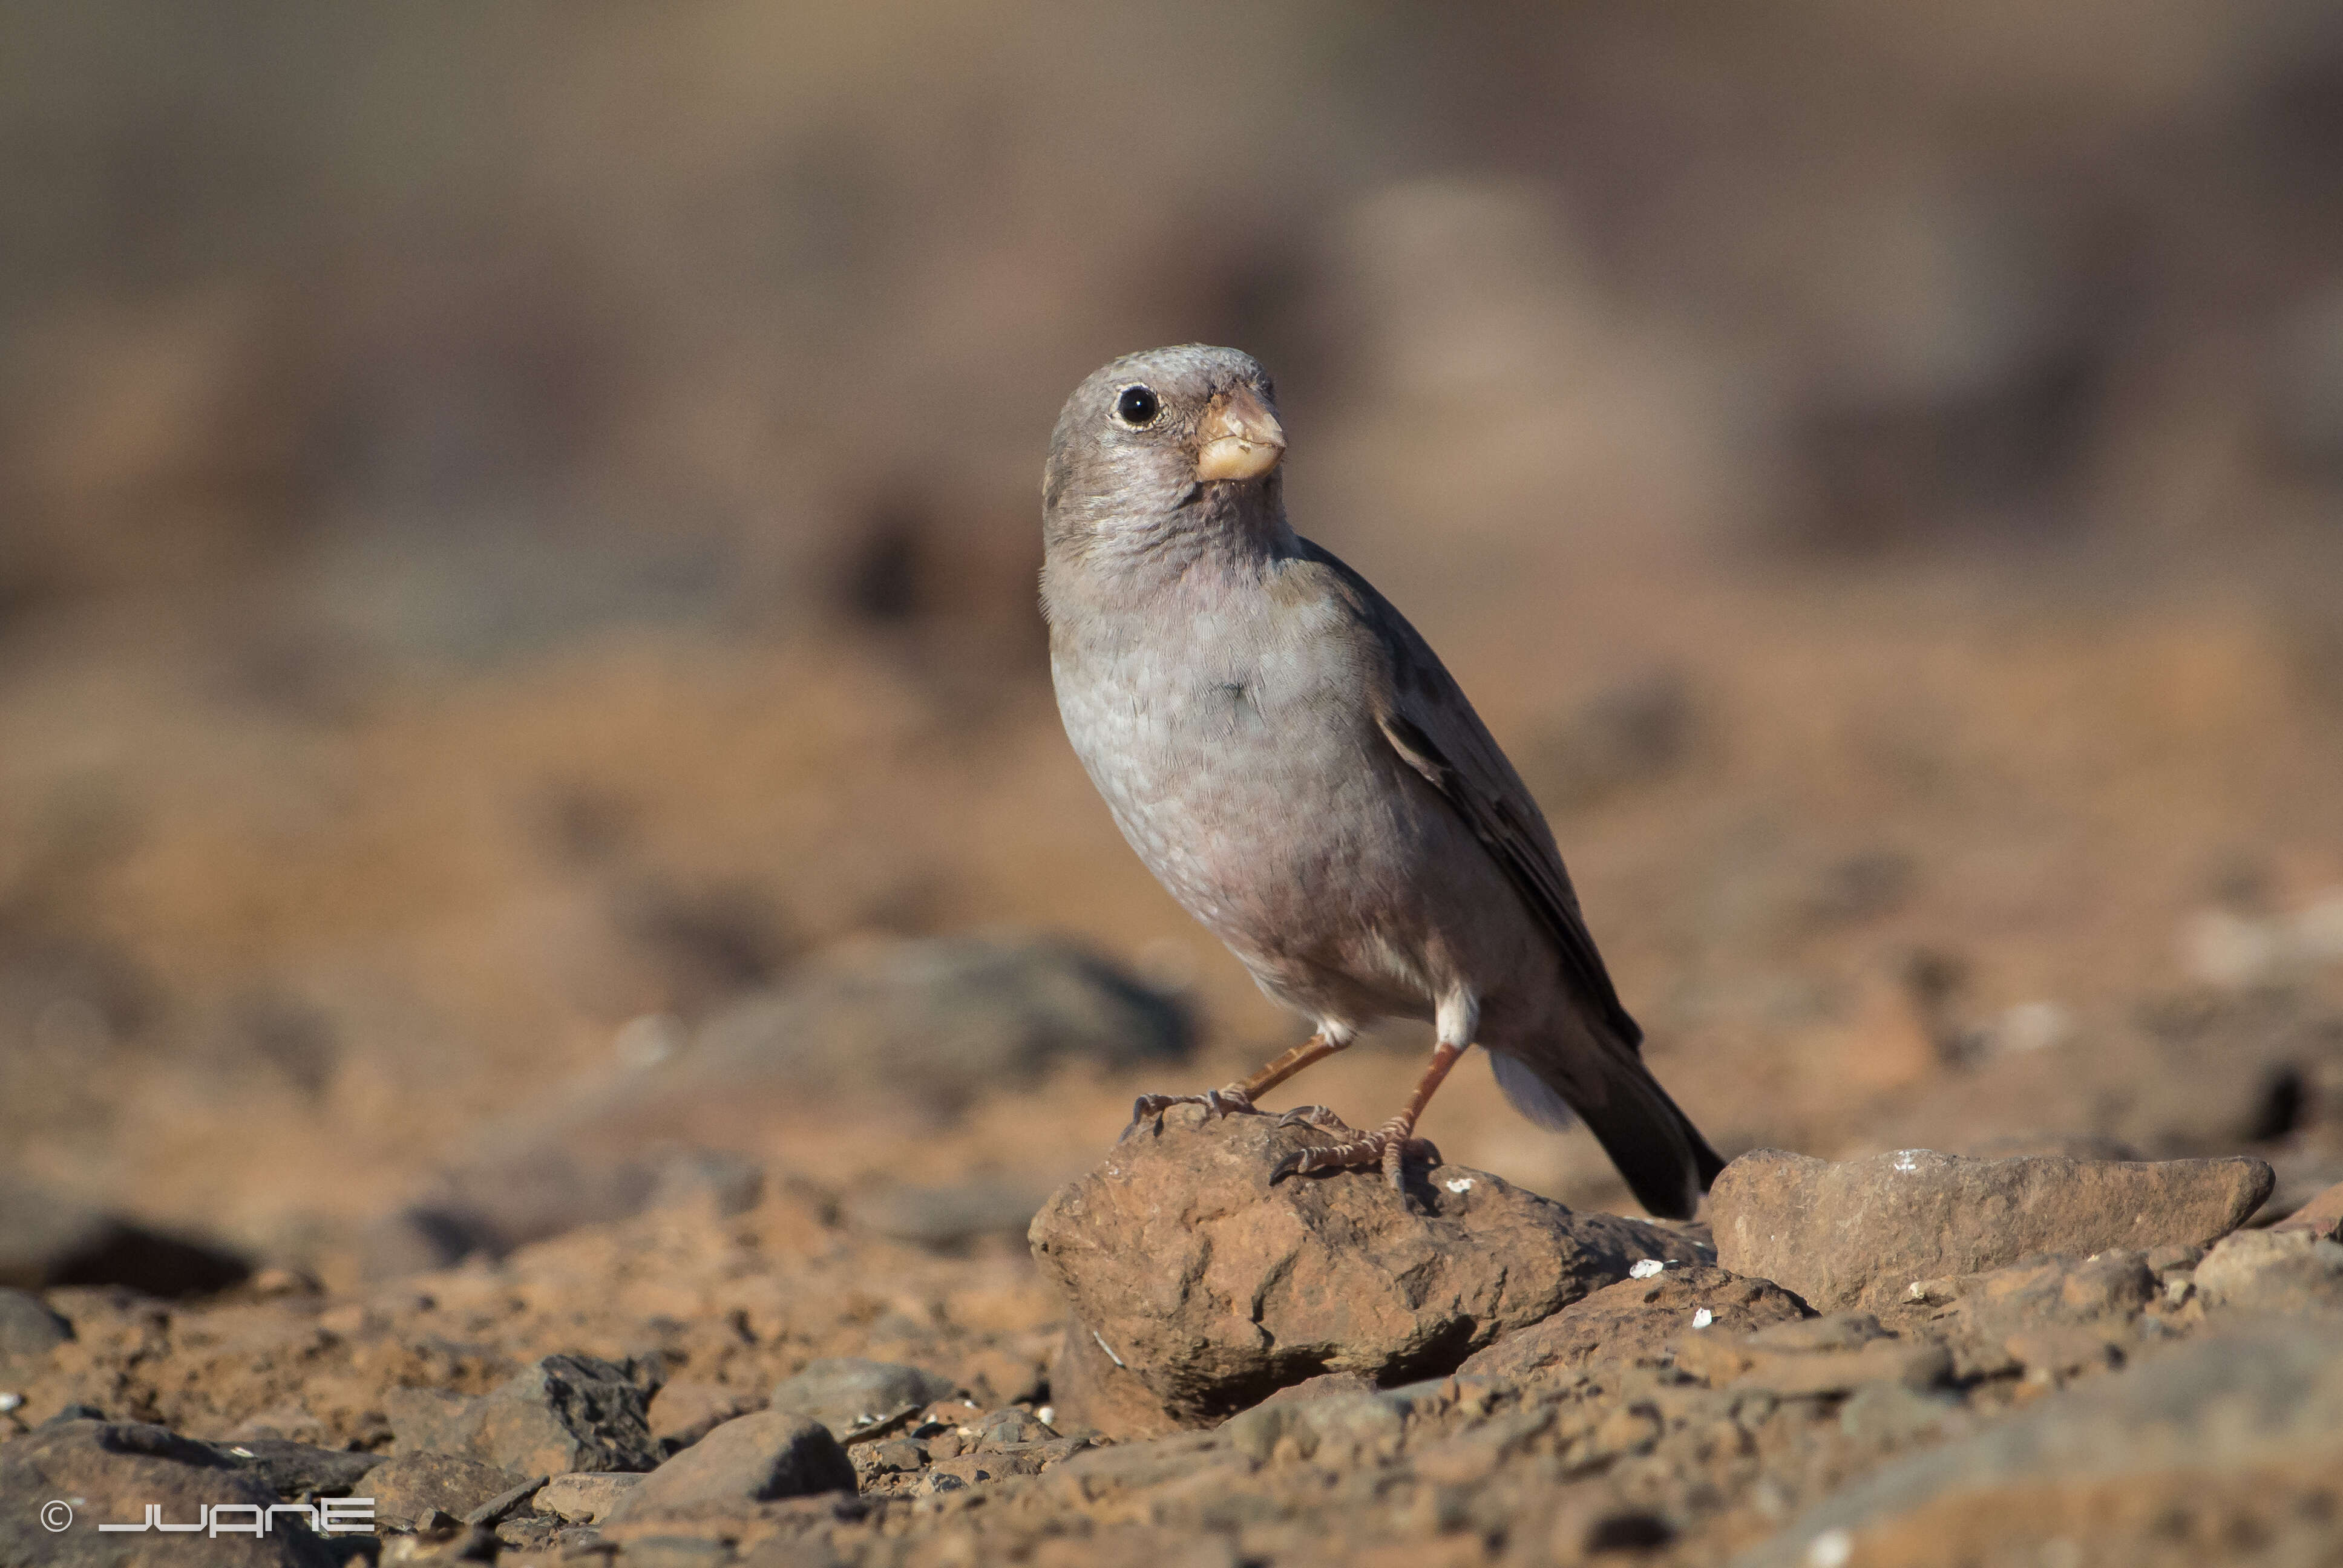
point(1238, 438)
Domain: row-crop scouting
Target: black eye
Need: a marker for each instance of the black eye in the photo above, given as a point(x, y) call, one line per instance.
point(1137, 406)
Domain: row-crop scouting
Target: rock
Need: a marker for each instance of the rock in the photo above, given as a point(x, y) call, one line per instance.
point(750, 1459)
point(298, 1469)
point(585, 1496)
point(425, 1420)
point(850, 1395)
point(47, 1241)
point(1860, 1233)
point(1213, 1287)
point(91, 1473)
point(937, 1021)
point(2231, 1440)
point(408, 1490)
point(2322, 1216)
point(28, 1333)
point(1635, 1319)
point(1350, 1426)
point(561, 1413)
point(1091, 1390)
point(1812, 1358)
point(2273, 1271)
point(685, 1409)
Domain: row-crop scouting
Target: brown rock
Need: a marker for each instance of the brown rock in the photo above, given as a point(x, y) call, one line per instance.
point(108, 1473)
point(2224, 1450)
point(1862, 1232)
point(750, 1459)
point(2273, 1271)
point(585, 1496)
point(1093, 1391)
point(407, 1491)
point(1635, 1319)
point(1810, 1357)
point(1213, 1287)
point(685, 1410)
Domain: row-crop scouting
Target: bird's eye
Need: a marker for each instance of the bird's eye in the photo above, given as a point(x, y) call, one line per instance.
point(1137, 406)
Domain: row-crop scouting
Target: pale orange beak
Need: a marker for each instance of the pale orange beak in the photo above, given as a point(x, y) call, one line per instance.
point(1238, 438)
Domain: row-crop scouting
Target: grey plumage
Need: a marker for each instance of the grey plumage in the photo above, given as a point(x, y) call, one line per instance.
point(1289, 756)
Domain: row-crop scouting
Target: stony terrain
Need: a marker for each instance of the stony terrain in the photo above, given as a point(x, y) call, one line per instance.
point(1319, 1371)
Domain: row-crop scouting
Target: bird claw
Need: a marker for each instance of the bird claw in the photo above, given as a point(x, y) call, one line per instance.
point(1387, 1147)
point(1316, 1116)
point(1230, 1102)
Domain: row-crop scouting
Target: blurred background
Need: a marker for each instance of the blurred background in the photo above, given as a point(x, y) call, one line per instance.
point(520, 692)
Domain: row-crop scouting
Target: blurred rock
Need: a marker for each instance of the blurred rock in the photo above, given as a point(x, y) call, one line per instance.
point(28, 1333)
point(47, 1240)
point(585, 1496)
point(1341, 1426)
point(409, 1489)
point(300, 1469)
point(944, 1219)
point(685, 1409)
point(938, 1020)
point(1860, 1233)
point(2231, 1440)
point(752, 1459)
point(538, 1187)
point(425, 1420)
point(108, 1472)
point(1214, 1288)
point(563, 1412)
point(1812, 1358)
point(2322, 1216)
point(849, 1395)
point(2273, 1271)
point(1635, 1319)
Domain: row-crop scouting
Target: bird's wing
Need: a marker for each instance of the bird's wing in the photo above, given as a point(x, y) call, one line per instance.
point(1424, 713)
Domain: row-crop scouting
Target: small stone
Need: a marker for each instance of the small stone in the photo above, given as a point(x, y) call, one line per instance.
point(586, 1497)
point(1858, 1233)
point(893, 1456)
point(1645, 1269)
point(850, 1395)
point(750, 1459)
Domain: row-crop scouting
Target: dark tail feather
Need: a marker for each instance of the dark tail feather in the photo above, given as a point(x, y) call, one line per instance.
point(1666, 1163)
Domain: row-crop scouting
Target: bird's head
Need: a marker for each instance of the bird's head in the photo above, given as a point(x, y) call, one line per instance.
point(1149, 439)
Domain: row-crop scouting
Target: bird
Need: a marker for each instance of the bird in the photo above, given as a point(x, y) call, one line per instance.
point(1292, 760)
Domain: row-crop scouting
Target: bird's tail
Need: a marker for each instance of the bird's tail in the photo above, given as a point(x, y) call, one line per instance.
point(1666, 1163)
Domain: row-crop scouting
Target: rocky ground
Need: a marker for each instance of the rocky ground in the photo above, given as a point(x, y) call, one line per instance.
point(2036, 1359)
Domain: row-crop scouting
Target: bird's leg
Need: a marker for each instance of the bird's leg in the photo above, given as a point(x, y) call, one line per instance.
point(1388, 1145)
point(1238, 1097)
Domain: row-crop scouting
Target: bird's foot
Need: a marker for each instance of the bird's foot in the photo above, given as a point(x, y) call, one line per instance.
point(1316, 1116)
point(1386, 1147)
point(1230, 1102)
